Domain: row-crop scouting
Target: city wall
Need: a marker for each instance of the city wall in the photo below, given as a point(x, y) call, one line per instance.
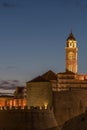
point(27, 119)
point(68, 104)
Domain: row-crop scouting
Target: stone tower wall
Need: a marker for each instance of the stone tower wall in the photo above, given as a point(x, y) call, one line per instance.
point(71, 61)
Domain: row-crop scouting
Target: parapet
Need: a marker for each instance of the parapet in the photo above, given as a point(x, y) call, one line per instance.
point(24, 108)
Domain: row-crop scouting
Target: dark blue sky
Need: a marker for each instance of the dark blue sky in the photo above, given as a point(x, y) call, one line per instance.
point(33, 36)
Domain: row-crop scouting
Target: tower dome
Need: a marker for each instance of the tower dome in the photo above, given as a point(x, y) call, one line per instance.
point(71, 37)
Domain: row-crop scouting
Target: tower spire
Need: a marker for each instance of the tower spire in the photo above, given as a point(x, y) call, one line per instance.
point(71, 31)
point(71, 36)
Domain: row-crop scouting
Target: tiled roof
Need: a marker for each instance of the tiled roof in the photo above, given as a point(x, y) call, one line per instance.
point(46, 77)
point(38, 79)
point(6, 96)
point(50, 75)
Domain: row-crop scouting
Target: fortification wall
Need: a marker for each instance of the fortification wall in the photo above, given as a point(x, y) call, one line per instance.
point(39, 94)
point(25, 119)
point(68, 104)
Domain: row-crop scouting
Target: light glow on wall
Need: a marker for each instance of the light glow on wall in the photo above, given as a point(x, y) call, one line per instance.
point(45, 105)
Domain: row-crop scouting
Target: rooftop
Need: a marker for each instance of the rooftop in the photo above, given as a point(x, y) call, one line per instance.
point(46, 77)
point(71, 37)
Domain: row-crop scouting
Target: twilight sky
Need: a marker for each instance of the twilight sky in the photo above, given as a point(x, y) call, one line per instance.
point(33, 36)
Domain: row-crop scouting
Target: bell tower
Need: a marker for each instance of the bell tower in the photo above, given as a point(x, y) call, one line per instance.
point(71, 54)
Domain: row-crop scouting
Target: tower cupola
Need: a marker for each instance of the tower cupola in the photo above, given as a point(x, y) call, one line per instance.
point(71, 41)
point(71, 37)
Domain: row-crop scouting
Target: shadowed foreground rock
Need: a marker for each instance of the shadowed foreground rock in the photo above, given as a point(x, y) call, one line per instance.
point(76, 123)
point(25, 119)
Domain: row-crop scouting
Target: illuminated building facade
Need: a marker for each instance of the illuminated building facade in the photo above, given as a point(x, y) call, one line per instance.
point(17, 100)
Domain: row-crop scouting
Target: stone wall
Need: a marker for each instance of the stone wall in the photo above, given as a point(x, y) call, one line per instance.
point(25, 119)
point(39, 94)
point(68, 104)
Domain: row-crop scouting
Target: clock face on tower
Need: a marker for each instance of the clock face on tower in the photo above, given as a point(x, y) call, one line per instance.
point(70, 55)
